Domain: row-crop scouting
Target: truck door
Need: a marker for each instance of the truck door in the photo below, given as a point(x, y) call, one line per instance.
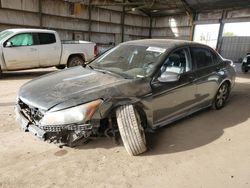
point(21, 52)
point(49, 50)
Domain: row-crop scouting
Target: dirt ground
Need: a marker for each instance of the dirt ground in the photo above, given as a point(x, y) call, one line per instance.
point(209, 149)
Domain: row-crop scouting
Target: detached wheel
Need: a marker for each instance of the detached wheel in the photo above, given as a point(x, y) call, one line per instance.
point(221, 96)
point(75, 61)
point(131, 130)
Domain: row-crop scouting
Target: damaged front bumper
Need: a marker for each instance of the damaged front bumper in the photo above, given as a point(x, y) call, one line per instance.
point(27, 126)
point(61, 133)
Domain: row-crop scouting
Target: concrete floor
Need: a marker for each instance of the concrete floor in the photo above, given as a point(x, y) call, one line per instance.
point(209, 149)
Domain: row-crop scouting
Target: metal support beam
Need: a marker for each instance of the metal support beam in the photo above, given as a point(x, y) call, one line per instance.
point(40, 14)
point(122, 22)
point(150, 28)
point(193, 19)
point(90, 20)
point(221, 29)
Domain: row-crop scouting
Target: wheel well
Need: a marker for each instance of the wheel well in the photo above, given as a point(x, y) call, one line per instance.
point(76, 55)
point(228, 82)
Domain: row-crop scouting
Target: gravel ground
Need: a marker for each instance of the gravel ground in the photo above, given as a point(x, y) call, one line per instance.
point(208, 149)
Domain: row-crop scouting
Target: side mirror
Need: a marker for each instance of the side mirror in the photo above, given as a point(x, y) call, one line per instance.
point(169, 77)
point(8, 44)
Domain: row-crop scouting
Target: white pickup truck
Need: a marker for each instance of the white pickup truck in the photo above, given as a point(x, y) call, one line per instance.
point(35, 48)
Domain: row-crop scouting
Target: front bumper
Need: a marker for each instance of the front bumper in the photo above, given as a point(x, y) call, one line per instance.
point(44, 132)
point(27, 126)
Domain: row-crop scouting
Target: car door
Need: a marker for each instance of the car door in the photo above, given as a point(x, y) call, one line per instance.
point(21, 52)
point(207, 73)
point(49, 50)
point(173, 99)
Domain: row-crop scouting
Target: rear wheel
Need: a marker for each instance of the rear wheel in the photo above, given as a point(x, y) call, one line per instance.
point(221, 96)
point(131, 130)
point(75, 61)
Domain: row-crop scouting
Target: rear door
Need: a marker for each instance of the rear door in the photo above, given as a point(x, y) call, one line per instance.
point(23, 52)
point(174, 99)
point(208, 72)
point(49, 49)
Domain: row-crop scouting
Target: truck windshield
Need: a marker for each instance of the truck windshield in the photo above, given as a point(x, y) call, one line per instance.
point(130, 61)
point(4, 34)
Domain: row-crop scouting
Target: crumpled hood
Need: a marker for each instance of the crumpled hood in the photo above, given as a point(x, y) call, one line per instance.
point(50, 90)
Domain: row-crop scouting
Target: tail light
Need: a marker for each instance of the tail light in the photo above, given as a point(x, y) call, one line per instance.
point(95, 50)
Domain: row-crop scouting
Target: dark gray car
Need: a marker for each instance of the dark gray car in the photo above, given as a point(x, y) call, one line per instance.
point(135, 87)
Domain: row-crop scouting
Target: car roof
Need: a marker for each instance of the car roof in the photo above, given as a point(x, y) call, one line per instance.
point(19, 30)
point(164, 43)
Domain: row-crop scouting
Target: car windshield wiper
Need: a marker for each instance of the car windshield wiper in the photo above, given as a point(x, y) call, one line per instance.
point(104, 71)
point(89, 66)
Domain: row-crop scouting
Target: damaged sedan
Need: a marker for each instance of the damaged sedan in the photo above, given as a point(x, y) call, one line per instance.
point(137, 86)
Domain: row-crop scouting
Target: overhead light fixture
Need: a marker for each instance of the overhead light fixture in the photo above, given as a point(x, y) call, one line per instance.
point(133, 9)
point(154, 10)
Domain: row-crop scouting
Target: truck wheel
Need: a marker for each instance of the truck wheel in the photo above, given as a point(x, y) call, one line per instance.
point(60, 66)
point(131, 130)
point(75, 61)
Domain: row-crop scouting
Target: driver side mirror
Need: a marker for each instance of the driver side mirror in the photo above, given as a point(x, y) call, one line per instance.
point(169, 77)
point(9, 44)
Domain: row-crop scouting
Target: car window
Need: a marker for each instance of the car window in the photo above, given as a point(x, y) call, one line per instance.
point(46, 38)
point(131, 61)
point(202, 57)
point(177, 62)
point(24, 39)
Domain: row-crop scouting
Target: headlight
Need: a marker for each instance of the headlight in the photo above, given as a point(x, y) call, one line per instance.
point(78, 114)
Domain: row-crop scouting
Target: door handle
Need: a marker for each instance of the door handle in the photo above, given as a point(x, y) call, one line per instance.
point(217, 69)
point(191, 77)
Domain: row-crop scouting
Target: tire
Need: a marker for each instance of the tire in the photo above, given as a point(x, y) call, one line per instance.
point(131, 130)
point(60, 66)
point(244, 69)
point(75, 61)
point(221, 96)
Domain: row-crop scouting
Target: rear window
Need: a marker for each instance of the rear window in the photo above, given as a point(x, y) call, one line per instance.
point(202, 57)
point(46, 38)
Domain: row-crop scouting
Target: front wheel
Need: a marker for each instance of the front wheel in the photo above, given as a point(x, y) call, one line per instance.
point(221, 96)
point(75, 61)
point(131, 130)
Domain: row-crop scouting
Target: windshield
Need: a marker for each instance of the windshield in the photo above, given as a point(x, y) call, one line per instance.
point(4, 34)
point(130, 61)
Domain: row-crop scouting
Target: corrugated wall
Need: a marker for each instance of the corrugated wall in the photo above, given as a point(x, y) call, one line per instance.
point(73, 22)
point(235, 47)
point(173, 27)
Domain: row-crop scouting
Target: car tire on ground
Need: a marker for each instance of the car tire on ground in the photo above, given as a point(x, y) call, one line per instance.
point(60, 66)
point(221, 96)
point(75, 61)
point(131, 130)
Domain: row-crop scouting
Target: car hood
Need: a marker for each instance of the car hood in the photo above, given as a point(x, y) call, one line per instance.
point(76, 86)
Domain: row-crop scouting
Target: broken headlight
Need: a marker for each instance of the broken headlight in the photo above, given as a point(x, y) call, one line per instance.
point(78, 114)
